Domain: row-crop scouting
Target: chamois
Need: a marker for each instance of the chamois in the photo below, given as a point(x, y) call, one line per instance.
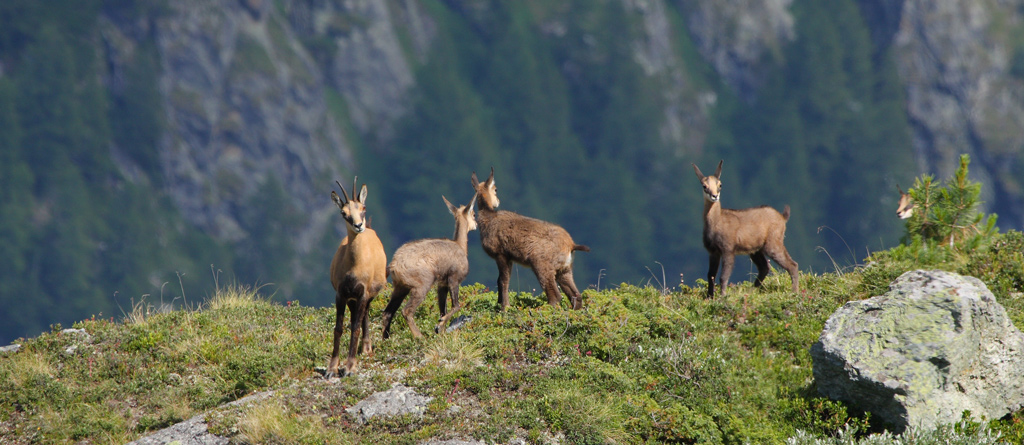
point(906, 205)
point(357, 275)
point(417, 265)
point(757, 231)
point(544, 247)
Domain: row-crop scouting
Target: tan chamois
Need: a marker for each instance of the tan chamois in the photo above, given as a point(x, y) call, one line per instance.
point(544, 247)
point(358, 272)
point(418, 265)
point(906, 205)
point(757, 231)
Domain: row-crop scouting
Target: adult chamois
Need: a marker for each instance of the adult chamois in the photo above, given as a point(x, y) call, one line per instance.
point(509, 238)
point(358, 272)
point(418, 265)
point(757, 231)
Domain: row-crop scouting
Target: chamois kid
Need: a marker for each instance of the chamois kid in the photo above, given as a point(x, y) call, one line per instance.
point(512, 238)
point(418, 265)
point(358, 272)
point(905, 209)
point(757, 231)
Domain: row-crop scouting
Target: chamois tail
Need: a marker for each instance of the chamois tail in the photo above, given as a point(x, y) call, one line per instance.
point(785, 212)
point(581, 248)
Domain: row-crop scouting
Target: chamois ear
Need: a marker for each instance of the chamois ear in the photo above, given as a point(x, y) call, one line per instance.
point(362, 194)
point(899, 189)
point(472, 202)
point(718, 173)
point(474, 181)
point(451, 208)
point(696, 170)
point(337, 199)
point(490, 179)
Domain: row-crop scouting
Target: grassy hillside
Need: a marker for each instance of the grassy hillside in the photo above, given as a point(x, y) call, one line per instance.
point(638, 364)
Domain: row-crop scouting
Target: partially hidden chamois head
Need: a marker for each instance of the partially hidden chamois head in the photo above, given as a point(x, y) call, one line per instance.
point(486, 190)
point(906, 206)
point(352, 210)
point(463, 214)
point(712, 185)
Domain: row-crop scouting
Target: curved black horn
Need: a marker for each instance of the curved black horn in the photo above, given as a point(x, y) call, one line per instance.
point(354, 193)
point(342, 191)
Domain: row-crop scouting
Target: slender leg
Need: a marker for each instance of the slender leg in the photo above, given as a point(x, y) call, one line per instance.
point(546, 277)
point(366, 344)
point(442, 298)
point(339, 328)
point(397, 297)
point(456, 306)
point(504, 273)
point(713, 261)
point(568, 286)
point(409, 311)
point(727, 262)
point(781, 256)
point(762, 267)
point(357, 310)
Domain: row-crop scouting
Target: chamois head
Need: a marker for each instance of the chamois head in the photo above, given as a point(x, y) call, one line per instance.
point(712, 185)
point(463, 213)
point(486, 190)
point(906, 206)
point(352, 210)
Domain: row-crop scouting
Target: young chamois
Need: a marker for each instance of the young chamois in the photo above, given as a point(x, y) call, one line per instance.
point(357, 275)
point(418, 265)
point(906, 205)
point(544, 247)
point(756, 231)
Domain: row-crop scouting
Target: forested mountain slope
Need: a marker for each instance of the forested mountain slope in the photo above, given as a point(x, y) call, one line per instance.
point(150, 149)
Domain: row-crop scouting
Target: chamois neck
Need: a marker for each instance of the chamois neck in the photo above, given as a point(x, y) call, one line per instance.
point(712, 209)
point(461, 236)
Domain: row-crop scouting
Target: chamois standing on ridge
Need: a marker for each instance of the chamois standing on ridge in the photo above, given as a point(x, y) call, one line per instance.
point(357, 275)
point(757, 231)
point(542, 246)
point(417, 265)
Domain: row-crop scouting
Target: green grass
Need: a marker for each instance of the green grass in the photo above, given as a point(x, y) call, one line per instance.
point(635, 366)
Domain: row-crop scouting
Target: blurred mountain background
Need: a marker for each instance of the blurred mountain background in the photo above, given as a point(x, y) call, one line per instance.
point(153, 149)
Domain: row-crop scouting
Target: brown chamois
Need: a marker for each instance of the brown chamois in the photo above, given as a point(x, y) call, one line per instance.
point(544, 247)
point(906, 205)
point(418, 265)
point(358, 272)
point(757, 231)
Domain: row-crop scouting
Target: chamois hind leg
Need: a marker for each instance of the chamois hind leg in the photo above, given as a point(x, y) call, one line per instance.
point(762, 267)
point(727, 262)
point(366, 343)
point(397, 297)
point(780, 255)
point(453, 286)
point(504, 273)
point(713, 261)
point(568, 286)
point(339, 328)
point(409, 311)
point(546, 277)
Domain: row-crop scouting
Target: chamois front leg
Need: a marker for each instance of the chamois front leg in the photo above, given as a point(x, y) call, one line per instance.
point(366, 344)
point(504, 273)
point(727, 262)
point(456, 307)
point(713, 261)
point(357, 313)
point(397, 297)
point(339, 328)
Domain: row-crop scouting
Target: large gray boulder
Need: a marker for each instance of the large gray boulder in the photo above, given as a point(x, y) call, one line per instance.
point(936, 345)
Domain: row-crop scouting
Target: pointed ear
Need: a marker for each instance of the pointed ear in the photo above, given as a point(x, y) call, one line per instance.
point(474, 181)
point(472, 202)
point(336, 199)
point(490, 179)
point(899, 189)
point(696, 170)
point(362, 194)
point(451, 208)
point(718, 173)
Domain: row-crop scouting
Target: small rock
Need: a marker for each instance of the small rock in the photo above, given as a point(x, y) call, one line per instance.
point(458, 322)
point(398, 400)
point(79, 332)
point(10, 349)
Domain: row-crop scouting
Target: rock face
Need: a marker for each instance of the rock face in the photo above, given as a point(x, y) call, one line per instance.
point(935, 345)
point(398, 400)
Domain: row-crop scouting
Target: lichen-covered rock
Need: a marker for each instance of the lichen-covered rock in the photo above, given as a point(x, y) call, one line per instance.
point(935, 345)
point(398, 400)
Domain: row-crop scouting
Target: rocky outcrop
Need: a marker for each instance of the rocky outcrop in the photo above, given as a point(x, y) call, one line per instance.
point(936, 345)
point(398, 400)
